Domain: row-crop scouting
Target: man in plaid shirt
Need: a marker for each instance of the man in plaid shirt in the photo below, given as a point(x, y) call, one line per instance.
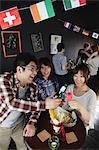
point(19, 95)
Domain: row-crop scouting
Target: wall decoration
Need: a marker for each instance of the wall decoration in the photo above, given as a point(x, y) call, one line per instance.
point(76, 28)
point(55, 39)
point(38, 14)
point(70, 4)
point(11, 43)
point(37, 42)
point(10, 18)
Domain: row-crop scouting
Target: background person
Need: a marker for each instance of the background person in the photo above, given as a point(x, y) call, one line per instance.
point(18, 96)
point(93, 63)
point(84, 54)
point(60, 65)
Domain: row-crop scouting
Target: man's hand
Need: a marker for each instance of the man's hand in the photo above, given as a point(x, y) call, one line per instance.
point(29, 130)
point(52, 103)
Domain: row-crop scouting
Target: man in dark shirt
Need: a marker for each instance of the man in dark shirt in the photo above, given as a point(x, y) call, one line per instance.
point(84, 54)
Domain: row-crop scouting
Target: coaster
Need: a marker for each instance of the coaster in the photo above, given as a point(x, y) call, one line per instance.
point(71, 137)
point(43, 135)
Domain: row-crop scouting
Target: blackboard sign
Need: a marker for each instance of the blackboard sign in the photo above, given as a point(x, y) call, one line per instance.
point(11, 43)
point(37, 42)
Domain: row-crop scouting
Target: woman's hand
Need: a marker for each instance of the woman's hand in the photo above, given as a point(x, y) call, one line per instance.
point(84, 114)
point(74, 104)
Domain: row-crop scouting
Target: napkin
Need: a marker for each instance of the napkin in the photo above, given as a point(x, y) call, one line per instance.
point(71, 137)
point(43, 135)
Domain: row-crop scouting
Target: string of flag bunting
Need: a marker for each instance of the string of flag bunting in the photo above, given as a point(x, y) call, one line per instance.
point(70, 4)
point(40, 11)
point(76, 28)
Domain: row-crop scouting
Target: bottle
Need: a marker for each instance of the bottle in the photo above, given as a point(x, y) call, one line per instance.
point(68, 97)
point(56, 126)
point(62, 92)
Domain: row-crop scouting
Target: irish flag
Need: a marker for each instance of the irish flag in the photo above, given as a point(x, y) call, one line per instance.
point(42, 10)
point(70, 4)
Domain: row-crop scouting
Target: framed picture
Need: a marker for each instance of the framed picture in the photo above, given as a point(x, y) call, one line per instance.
point(11, 43)
point(55, 39)
point(37, 42)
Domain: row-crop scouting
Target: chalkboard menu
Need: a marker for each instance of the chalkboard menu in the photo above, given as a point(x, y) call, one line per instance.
point(11, 43)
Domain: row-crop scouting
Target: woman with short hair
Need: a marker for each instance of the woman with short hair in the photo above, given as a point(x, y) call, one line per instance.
point(83, 98)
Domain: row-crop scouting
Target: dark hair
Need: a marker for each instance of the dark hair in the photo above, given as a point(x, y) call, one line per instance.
point(86, 45)
point(60, 46)
point(24, 59)
point(84, 70)
point(46, 62)
point(95, 48)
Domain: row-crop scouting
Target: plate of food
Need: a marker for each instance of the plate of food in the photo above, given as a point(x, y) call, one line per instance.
point(66, 118)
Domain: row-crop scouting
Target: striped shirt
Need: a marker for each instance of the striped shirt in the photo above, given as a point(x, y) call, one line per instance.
point(9, 86)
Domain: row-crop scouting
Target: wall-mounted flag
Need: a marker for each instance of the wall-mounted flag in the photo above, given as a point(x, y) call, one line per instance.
point(42, 10)
point(95, 35)
point(70, 4)
point(85, 32)
point(10, 18)
point(76, 28)
point(67, 25)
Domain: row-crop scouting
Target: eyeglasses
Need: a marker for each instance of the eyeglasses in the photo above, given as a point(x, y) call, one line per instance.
point(33, 69)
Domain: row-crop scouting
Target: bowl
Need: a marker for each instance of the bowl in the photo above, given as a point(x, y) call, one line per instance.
point(66, 118)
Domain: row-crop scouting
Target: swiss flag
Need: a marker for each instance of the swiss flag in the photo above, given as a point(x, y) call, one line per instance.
point(10, 18)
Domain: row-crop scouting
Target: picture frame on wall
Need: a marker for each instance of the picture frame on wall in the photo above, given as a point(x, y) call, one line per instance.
point(11, 43)
point(37, 42)
point(55, 39)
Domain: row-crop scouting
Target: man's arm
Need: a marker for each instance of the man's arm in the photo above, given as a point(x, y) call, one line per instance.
point(85, 52)
point(30, 128)
point(22, 105)
point(65, 65)
point(93, 55)
point(8, 95)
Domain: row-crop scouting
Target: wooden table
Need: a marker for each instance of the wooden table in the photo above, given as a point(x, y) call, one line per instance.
point(44, 123)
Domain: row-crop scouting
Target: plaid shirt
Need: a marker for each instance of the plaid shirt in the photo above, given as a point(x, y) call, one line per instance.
point(9, 100)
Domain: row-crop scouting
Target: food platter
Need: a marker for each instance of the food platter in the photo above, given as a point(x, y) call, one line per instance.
point(66, 118)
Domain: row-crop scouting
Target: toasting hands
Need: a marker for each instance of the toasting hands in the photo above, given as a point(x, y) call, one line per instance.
point(52, 103)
